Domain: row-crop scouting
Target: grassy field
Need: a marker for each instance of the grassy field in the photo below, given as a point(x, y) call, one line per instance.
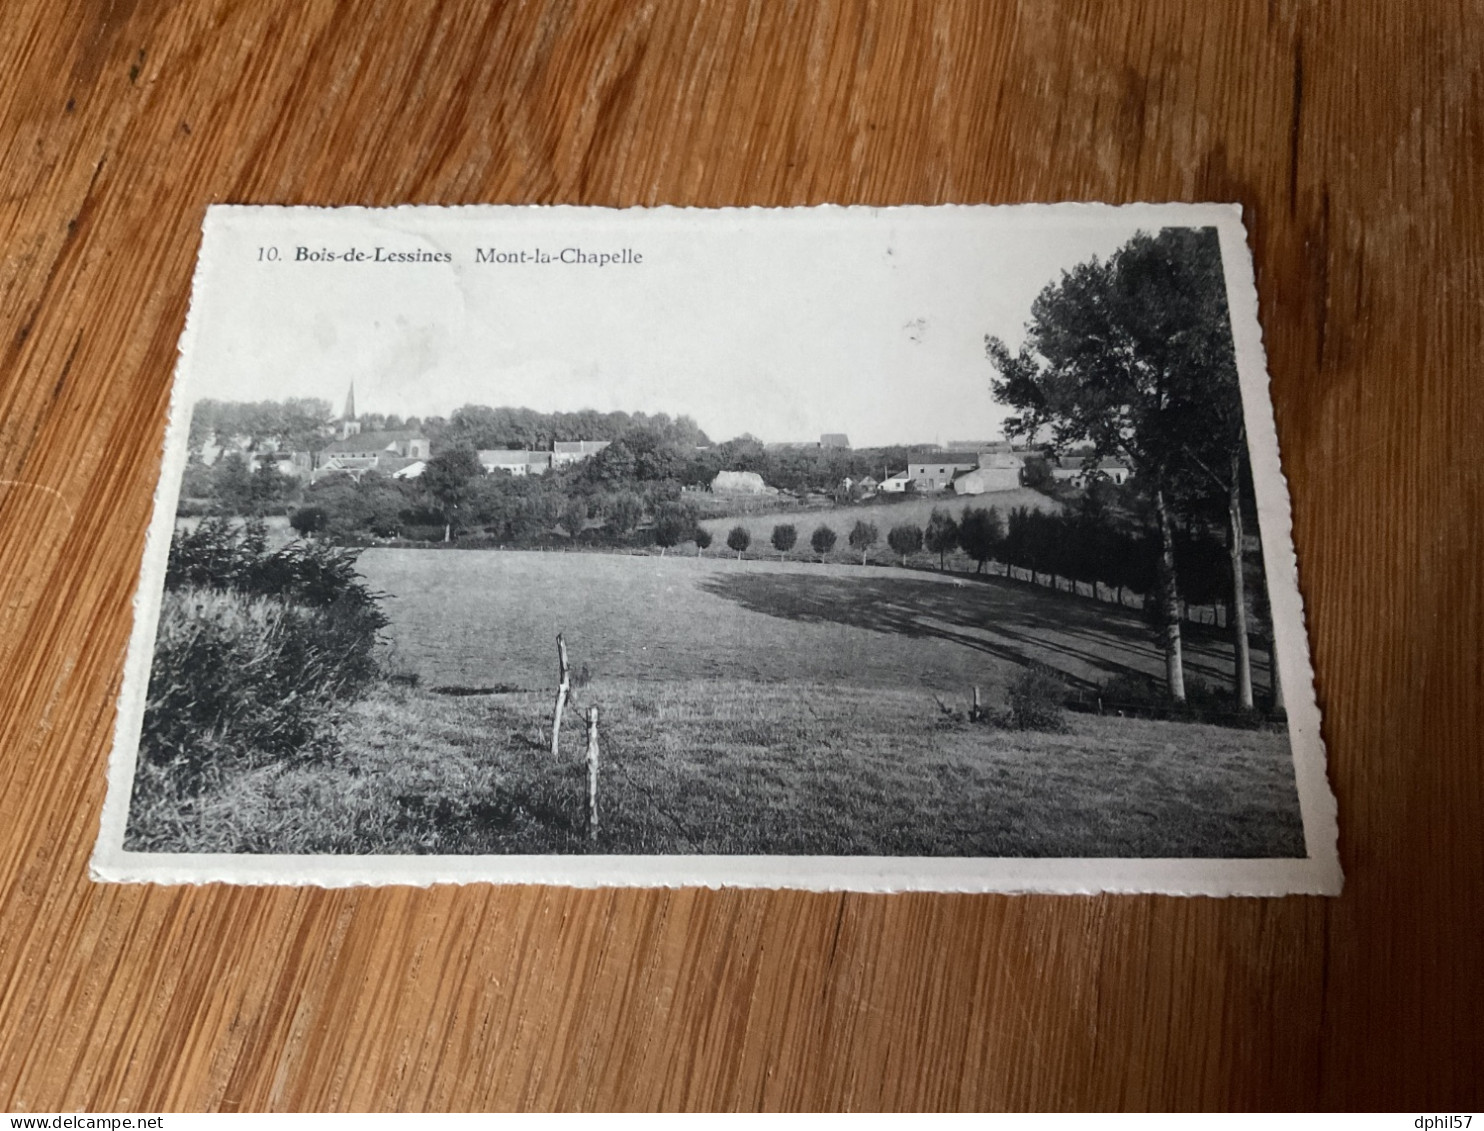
point(489, 620)
point(703, 767)
point(885, 515)
point(747, 707)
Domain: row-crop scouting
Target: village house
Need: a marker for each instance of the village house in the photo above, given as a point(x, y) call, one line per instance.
point(567, 452)
point(998, 470)
point(937, 474)
point(997, 467)
point(1079, 468)
point(515, 461)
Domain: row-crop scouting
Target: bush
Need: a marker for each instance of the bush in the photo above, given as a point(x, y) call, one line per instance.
point(941, 535)
point(1142, 695)
point(253, 652)
point(1133, 692)
point(241, 680)
point(218, 555)
point(863, 536)
point(785, 535)
point(905, 539)
point(308, 520)
point(672, 522)
point(624, 512)
point(1036, 696)
point(980, 533)
point(215, 554)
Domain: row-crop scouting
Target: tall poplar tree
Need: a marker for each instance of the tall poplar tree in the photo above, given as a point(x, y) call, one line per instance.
point(1133, 357)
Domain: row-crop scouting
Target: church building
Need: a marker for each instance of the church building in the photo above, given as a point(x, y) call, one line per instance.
point(389, 452)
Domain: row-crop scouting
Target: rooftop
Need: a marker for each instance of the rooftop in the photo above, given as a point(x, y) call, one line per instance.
point(373, 441)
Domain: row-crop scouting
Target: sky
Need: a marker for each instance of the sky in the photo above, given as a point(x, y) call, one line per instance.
point(783, 323)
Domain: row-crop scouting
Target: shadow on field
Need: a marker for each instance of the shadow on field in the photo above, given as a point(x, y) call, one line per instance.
point(1085, 641)
point(458, 691)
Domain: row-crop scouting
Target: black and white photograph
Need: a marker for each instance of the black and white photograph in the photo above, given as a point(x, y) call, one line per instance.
point(878, 549)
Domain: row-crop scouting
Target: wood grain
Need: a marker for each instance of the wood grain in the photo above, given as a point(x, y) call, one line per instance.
point(1351, 133)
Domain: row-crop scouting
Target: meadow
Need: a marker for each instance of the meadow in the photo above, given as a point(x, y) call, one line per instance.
point(746, 707)
point(736, 768)
point(488, 620)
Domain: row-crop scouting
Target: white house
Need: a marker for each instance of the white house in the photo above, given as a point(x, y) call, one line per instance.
point(1080, 470)
point(895, 484)
point(515, 461)
point(937, 474)
point(982, 480)
point(998, 470)
point(565, 452)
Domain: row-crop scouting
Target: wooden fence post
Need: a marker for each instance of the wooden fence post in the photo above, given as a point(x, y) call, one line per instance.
point(592, 773)
point(975, 715)
point(564, 689)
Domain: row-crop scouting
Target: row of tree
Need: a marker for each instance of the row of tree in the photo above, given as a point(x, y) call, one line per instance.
point(643, 455)
point(1132, 357)
point(308, 424)
point(1083, 546)
point(480, 426)
point(863, 535)
point(1078, 547)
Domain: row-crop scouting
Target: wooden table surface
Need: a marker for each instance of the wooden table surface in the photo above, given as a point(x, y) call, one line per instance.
point(1352, 135)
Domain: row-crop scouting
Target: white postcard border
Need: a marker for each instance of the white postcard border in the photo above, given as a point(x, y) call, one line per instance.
point(1319, 873)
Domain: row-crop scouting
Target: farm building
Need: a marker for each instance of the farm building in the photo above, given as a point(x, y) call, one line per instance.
point(982, 480)
point(999, 470)
point(740, 483)
point(565, 452)
point(515, 461)
point(895, 484)
point(937, 474)
point(1080, 469)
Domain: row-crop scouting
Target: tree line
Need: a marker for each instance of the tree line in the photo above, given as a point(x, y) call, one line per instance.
point(1083, 546)
point(644, 449)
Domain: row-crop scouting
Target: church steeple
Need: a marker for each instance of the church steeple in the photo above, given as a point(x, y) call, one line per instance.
point(349, 425)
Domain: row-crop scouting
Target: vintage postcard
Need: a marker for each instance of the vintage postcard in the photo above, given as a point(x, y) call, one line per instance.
point(840, 548)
